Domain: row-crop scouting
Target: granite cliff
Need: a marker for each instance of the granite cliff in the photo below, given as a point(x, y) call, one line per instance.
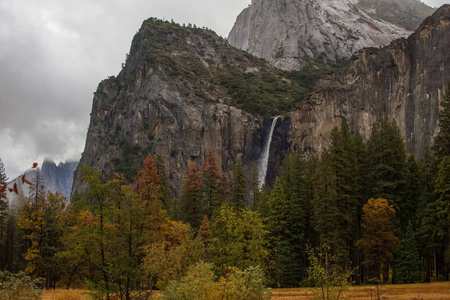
point(185, 89)
point(405, 80)
point(285, 32)
point(181, 91)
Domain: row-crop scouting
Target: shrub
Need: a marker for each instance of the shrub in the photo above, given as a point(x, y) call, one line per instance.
point(19, 286)
point(199, 283)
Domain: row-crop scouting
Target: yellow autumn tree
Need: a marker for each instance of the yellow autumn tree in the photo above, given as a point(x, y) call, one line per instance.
point(379, 241)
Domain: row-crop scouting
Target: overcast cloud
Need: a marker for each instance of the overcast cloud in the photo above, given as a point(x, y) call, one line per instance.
point(53, 54)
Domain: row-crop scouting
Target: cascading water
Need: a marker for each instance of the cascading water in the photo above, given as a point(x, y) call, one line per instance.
point(264, 159)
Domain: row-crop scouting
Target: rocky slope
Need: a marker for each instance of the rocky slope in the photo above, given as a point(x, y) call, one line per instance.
point(405, 80)
point(408, 14)
point(284, 32)
point(179, 93)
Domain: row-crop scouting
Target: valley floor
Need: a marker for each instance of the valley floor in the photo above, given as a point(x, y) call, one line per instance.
point(419, 291)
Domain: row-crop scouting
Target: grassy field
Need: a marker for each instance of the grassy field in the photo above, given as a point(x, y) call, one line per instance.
point(420, 291)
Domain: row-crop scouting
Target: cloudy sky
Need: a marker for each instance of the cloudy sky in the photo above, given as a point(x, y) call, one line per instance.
point(53, 54)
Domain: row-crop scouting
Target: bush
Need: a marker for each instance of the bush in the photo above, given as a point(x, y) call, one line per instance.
point(19, 286)
point(199, 283)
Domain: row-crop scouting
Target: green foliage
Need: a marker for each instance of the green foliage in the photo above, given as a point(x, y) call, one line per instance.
point(407, 264)
point(408, 14)
point(239, 186)
point(200, 284)
point(325, 274)
point(191, 204)
point(238, 239)
point(19, 286)
point(441, 142)
point(386, 158)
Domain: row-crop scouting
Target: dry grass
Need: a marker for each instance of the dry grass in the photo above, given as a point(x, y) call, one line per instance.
point(420, 291)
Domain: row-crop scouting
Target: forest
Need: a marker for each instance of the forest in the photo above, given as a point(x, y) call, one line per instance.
point(363, 211)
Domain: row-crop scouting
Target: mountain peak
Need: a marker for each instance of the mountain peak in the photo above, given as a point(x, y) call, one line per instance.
point(285, 32)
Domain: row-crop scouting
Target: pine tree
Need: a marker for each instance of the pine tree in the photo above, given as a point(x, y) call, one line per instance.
point(443, 204)
point(276, 223)
point(239, 186)
point(325, 208)
point(407, 264)
point(214, 184)
point(413, 192)
point(386, 159)
point(164, 186)
point(192, 208)
point(441, 142)
point(298, 194)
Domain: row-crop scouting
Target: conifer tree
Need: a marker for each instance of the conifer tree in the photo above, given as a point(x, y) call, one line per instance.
point(214, 184)
point(276, 223)
point(386, 158)
point(407, 264)
point(325, 208)
point(298, 195)
point(441, 142)
point(164, 186)
point(413, 192)
point(239, 186)
point(192, 208)
point(443, 204)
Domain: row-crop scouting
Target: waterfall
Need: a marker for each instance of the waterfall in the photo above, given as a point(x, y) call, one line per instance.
point(264, 158)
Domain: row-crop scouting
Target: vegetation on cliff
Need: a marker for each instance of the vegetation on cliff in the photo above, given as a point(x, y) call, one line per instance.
point(200, 63)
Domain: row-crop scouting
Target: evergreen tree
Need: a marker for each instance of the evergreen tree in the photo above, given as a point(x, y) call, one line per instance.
point(413, 192)
point(326, 212)
point(192, 208)
point(386, 158)
point(276, 223)
point(443, 205)
point(441, 142)
point(214, 184)
point(164, 186)
point(298, 195)
point(407, 264)
point(239, 186)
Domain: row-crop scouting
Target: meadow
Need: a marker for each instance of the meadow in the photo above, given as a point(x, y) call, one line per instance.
point(418, 291)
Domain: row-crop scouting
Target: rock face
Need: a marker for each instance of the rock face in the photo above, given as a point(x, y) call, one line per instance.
point(172, 98)
point(408, 14)
point(59, 177)
point(405, 80)
point(284, 32)
point(55, 178)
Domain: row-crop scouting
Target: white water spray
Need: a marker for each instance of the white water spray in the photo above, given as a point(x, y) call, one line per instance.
point(264, 159)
